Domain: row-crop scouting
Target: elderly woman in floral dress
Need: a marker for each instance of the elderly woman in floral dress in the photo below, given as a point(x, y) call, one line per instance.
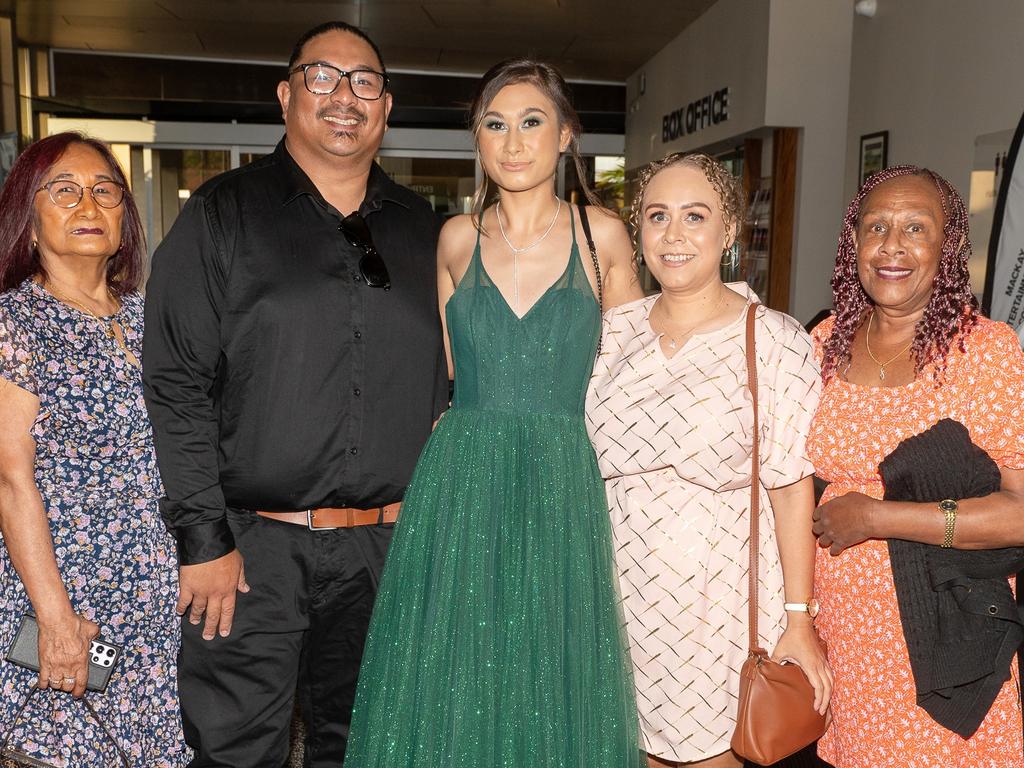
point(84, 547)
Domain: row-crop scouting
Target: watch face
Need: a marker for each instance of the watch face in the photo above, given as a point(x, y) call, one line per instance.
point(948, 505)
point(812, 607)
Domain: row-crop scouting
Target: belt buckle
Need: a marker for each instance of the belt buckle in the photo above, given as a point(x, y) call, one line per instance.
point(309, 523)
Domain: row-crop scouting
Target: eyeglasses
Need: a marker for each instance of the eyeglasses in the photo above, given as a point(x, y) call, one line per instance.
point(323, 79)
point(371, 265)
point(68, 194)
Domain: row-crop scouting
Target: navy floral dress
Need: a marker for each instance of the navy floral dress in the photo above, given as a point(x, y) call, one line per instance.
point(96, 470)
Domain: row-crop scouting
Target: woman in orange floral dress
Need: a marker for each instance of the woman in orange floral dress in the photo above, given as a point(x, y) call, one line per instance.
point(906, 348)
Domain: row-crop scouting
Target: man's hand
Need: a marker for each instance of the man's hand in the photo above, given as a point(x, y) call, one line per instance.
point(210, 588)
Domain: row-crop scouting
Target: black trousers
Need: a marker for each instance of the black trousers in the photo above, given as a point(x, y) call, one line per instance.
point(299, 630)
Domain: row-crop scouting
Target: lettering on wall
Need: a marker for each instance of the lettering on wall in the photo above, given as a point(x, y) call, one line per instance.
point(696, 116)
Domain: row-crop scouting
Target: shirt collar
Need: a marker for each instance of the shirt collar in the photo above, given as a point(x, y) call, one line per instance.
point(380, 188)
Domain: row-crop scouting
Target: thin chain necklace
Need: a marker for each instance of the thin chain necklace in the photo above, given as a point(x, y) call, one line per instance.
point(672, 344)
point(524, 249)
point(879, 363)
point(107, 326)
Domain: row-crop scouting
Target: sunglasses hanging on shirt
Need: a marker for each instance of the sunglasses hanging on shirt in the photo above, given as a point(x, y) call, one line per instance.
point(371, 265)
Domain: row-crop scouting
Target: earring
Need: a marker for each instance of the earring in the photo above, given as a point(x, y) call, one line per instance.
point(731, 257)
point(35, 245)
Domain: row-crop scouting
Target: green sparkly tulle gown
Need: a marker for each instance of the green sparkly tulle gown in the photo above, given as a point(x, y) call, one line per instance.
point(496, 639)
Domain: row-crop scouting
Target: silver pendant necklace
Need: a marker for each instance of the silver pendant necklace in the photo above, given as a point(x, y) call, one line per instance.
point(524, 249)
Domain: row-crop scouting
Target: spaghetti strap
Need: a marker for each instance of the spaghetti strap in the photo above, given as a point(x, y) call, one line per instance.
point(476, 263)
point(574, 249)
point(475, 267)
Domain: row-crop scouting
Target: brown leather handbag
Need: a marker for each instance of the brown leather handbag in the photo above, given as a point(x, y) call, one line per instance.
point(776, 715)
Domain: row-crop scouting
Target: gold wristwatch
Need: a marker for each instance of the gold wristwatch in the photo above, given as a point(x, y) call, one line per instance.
point(949, 508)
point(810, 607)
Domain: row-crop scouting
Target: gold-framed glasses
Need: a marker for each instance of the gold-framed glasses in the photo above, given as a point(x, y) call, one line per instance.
point(323, 79)
point(65, 193)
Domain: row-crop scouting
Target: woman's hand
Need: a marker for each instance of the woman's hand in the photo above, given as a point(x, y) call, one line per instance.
point(64, 653)
point(843, 522)
point(800, 644)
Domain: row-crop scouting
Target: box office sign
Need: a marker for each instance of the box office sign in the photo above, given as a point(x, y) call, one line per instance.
point(696, 116)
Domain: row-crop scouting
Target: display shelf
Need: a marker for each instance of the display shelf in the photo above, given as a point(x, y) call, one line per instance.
point(755, 254)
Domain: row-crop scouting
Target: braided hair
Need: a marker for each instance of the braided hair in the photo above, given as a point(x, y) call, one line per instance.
point(952, 310)
point(726, 186)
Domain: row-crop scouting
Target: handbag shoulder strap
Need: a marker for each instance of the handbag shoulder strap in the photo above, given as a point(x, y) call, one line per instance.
point(755, 476)
point(585, 222)
point(106, 732)
point(121, 754)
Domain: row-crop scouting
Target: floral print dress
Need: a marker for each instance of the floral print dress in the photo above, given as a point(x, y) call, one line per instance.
point(96, 470)
point(875, 718)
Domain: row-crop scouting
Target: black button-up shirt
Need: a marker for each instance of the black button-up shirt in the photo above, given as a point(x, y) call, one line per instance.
point(275, 377)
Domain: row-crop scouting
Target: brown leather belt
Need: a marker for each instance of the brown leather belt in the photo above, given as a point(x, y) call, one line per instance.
point(328, 518)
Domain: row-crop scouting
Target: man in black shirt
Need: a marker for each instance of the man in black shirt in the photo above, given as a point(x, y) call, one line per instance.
point(293, 369)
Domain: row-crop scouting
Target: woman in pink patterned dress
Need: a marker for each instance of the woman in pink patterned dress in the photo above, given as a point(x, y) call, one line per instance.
point(670, 417)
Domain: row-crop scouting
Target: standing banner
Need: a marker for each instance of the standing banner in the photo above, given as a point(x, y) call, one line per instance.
point(1004, 278)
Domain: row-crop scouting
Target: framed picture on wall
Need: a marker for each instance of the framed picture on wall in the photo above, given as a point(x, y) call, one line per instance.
point(874, 153)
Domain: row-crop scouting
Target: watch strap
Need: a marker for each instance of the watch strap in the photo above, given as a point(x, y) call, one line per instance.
point(949, 508)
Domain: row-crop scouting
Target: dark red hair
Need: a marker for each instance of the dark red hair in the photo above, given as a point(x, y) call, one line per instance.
point(952, 309)
point(18, 259)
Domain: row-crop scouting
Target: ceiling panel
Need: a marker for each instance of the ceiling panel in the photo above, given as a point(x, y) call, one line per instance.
point(590, 39)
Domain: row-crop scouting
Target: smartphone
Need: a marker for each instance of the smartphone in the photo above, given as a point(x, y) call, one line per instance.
point(103, 656)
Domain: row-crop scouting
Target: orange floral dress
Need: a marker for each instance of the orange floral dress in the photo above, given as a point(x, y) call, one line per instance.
point(876, 721)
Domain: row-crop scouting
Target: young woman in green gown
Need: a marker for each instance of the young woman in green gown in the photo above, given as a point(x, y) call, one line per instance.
point(497, 635)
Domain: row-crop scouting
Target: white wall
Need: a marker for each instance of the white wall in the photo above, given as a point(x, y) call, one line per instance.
point(786, 64)
point(726, 47)
point(807, 86)
point(936, 74)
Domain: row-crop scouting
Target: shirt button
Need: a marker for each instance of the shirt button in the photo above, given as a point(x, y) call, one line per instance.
point(358, 334)
point(357, 391)
point(353, 451)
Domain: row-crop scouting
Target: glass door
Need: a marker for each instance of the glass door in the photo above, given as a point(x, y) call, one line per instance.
point(447, 183)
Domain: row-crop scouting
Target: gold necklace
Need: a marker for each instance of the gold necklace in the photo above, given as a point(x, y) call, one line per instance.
point(672, 344)
point(879, 363)
point(107, 326)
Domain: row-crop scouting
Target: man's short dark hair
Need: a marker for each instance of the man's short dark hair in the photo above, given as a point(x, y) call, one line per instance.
point(331, 26)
